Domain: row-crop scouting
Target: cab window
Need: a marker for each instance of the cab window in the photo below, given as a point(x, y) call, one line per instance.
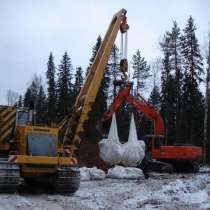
point(159, 141)
point(22, 117)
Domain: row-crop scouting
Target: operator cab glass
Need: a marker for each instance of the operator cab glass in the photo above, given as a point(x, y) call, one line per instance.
point(22, 117)
point(158, 141)
point(42, 144)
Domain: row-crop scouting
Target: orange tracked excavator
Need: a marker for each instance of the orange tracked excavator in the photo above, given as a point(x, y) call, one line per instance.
point(167, 158)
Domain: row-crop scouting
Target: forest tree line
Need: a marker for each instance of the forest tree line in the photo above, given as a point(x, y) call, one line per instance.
point(179, 98)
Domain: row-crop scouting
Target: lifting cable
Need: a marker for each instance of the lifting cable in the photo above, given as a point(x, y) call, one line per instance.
point(123, 55)
point(124, 46)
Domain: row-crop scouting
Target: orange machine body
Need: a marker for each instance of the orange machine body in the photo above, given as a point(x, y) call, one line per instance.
point(157, 146)
point(180, 153)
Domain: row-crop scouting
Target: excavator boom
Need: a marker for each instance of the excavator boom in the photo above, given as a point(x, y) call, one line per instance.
point(141, 105)
point(150, 112)
point(74, 124)
point(118, 101)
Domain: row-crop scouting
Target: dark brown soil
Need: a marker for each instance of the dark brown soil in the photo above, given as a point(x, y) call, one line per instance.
point(89, 155)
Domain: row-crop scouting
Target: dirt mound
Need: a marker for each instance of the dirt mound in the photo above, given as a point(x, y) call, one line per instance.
point(89, 156)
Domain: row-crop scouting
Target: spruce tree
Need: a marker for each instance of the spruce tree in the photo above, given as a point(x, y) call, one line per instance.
point(41, 107)
point(192, 58)
point(192, 101)
point(64, 86)
point(154, 98)
point(206, 143)
point(94, 52)
point(168, 91)
point(78, 81)
point(141, 70)
point(51, 89)
point(20, 101)
point(27, 98)
point(32, 91)
point(35, 86)
point(175, 62)
point(35, 95)
point(114, 70)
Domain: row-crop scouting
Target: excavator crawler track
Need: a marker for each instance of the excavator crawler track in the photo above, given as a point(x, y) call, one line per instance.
point(187, 167)
point(9, 176)
point(67, 179)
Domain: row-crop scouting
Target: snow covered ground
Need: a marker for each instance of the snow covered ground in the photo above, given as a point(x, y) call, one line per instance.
point(161, 191)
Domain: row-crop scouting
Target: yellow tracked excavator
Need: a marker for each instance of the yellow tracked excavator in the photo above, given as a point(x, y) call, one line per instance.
point(31, 151)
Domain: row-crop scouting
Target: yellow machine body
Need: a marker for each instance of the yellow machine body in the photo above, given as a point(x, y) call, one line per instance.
point(14, 136)
point(20, 145)
point(38, 165)
point(31, 165)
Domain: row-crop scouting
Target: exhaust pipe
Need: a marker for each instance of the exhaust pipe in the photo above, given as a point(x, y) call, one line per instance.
point(32, 113)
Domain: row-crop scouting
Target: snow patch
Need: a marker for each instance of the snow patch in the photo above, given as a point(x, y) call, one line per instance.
point(189, 192)
point(91, 174)
point(85, 174)
point(119, 172)
point(161, 191)
point(97, 174)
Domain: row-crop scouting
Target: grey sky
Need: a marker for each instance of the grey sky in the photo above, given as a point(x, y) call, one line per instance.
point(30, 29)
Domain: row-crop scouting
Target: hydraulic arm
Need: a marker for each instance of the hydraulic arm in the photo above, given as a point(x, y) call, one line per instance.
point(141, 105)
point(150, 112)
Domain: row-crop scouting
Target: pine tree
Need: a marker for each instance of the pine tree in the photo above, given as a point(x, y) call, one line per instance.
point(192, 101)
point(78, 81)
point(141, 70)
point(64, 86)
point(51, 89)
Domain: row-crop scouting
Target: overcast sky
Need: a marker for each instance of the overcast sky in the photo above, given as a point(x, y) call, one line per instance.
point(30, 29)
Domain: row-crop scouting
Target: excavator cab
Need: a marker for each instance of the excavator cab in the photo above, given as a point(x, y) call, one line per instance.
point(171, 158)
point(153, 142)
point(22, 116)
point(31, 152)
